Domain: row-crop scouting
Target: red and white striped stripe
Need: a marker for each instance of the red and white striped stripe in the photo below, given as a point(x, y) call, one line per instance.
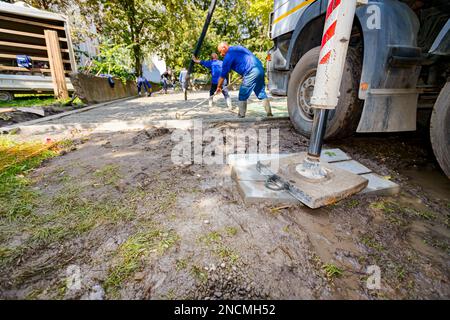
point(336, 35)
point(330, 31)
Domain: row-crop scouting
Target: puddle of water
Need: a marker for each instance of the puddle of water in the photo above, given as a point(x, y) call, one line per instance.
point(433, 182)
point(323, 234)
point(331, 246)
point(417, 239)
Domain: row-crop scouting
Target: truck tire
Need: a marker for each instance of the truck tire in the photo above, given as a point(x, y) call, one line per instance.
point(6, 96)
point(440, 129)
point(342, 121)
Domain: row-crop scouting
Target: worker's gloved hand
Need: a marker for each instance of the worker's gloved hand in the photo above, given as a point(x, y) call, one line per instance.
point(219, 90)
point(194, 58)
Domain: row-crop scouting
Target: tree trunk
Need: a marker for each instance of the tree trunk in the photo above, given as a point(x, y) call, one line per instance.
point(137, 59)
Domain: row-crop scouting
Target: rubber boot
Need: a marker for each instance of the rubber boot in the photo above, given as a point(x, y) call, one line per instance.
point(242, 109)
point(266, 104)
point(229, 104)
point(211, 101)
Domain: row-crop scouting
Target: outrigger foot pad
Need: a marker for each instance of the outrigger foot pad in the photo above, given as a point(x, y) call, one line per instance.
point(337, 184)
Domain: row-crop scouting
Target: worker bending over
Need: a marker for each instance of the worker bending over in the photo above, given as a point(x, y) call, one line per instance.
point(143, 82)
point(245, 63)
point(215, 65)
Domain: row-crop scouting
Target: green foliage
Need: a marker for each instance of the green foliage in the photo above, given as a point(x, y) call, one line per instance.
point(17, 159)
point(170, 28)
point(48, 4)
point(234, 21)
point(29, 101)
point(35, 100)
point(139, 26)
point(113, 59)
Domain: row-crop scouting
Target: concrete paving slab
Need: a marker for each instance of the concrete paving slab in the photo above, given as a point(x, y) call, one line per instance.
point(252, 158)
point(249, 172)
point(339, 184)
point(380, 186)
point(352, 166)
point(333, 155)
point(255, 192)
point(251, 182)
point(246, 173)
point(327, 155)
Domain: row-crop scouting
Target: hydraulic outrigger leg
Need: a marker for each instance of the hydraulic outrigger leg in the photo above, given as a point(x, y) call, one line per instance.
point(336, 36)
point(311, 168)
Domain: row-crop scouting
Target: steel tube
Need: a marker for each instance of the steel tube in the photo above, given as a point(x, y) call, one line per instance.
point(318, 132)
point(211, 9)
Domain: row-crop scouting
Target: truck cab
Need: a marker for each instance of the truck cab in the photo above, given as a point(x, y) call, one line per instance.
point(398, 61)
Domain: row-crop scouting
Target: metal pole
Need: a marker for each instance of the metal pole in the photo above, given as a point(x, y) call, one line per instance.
point(318, 132)
point(211, 9)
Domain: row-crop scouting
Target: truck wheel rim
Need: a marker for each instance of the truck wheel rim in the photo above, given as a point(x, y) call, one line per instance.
point(304, 94)
point(5, 96)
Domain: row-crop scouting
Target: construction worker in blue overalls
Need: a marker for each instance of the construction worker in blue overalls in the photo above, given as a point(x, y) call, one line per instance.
point(245, 63)
point(215, 65)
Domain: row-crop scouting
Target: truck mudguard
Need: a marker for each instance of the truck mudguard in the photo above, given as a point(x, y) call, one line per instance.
point(313, 11)
point(284, 59)
point(391, 67)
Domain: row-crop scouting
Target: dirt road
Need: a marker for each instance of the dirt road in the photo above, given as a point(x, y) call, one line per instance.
point(118, 219)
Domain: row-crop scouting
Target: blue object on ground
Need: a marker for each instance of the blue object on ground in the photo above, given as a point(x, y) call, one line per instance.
point(110, 79)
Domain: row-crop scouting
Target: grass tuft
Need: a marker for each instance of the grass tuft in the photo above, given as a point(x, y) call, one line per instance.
point(372, 243)
point(17, 159)
point(35, 100)
point(231, 231)
point(109, 174)
point(332, 271)
point(132, 253)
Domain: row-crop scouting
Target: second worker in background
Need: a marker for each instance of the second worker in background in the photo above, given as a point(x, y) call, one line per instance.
point(215, 65)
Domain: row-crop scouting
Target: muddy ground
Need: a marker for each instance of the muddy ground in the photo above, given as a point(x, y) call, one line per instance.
point(16, 116)
point(116, 214)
